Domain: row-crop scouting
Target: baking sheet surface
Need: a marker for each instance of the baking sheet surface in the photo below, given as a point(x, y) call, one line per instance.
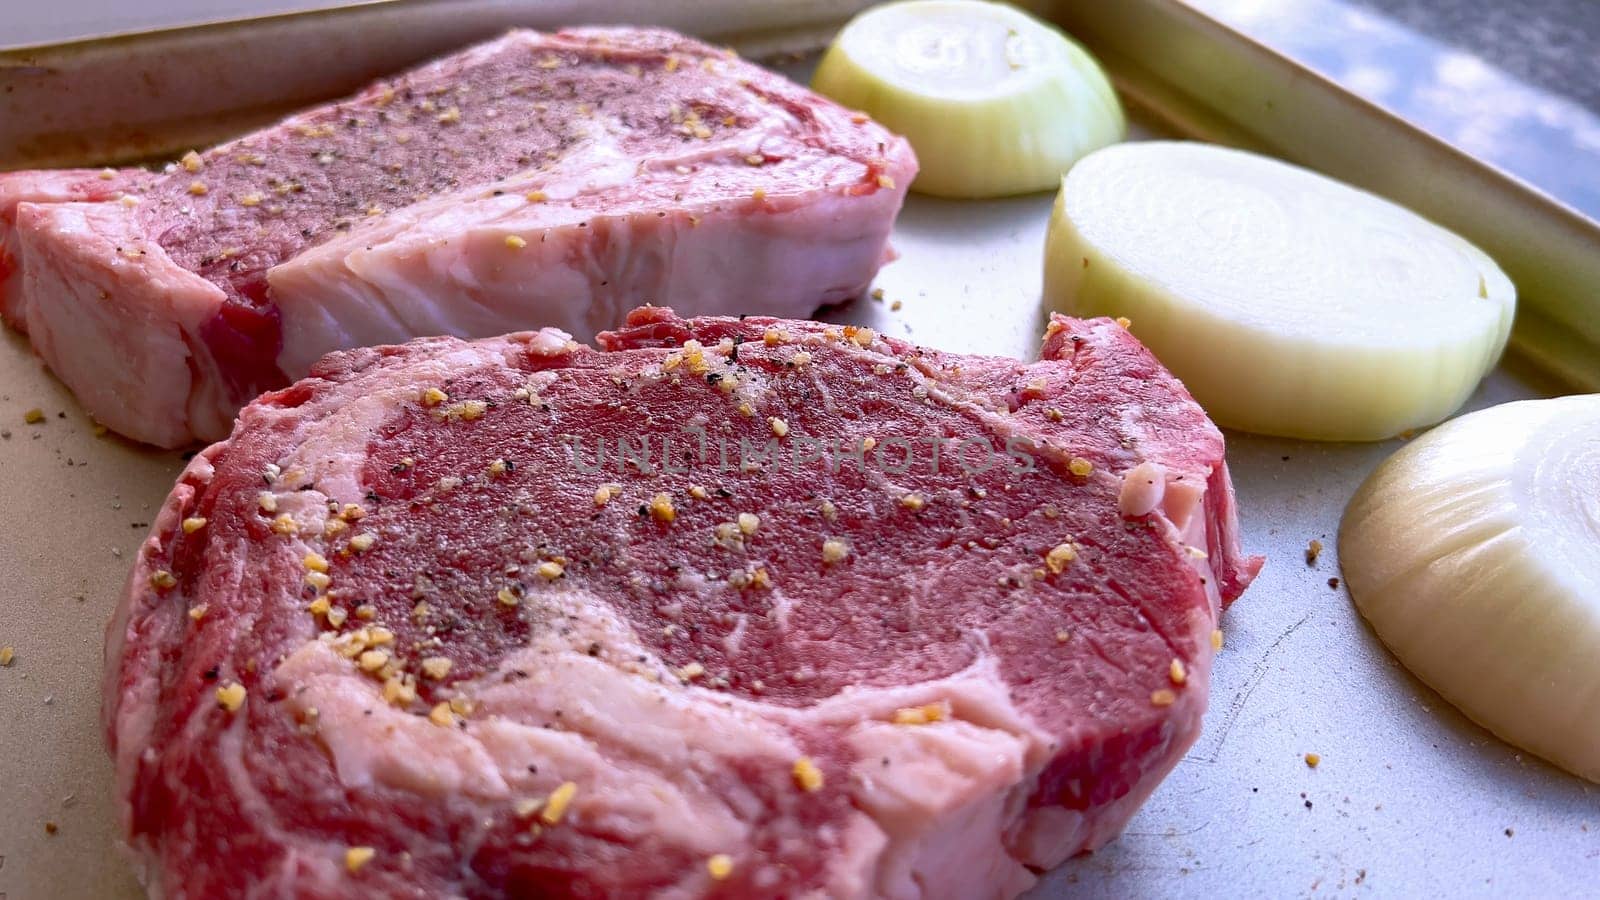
point(1409, 799)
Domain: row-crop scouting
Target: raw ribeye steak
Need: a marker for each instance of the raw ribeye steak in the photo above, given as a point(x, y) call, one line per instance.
point(418, 628)
point(538, 180)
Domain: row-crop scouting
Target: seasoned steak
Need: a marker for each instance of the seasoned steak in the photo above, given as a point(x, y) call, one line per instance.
point(418, 629)
point(538, 180)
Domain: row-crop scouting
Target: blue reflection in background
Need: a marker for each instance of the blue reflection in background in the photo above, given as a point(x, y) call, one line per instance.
point(1541, 136)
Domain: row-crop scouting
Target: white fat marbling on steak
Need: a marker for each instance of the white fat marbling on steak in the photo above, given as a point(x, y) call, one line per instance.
point(536, 179)
point(573, 692)
point(642, 739)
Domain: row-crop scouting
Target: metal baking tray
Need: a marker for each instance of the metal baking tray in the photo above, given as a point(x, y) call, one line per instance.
point(1410, 799)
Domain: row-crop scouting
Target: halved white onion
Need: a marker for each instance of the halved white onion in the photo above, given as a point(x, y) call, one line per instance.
point(993, 101)
point(1287, 302)
point(1475, 554)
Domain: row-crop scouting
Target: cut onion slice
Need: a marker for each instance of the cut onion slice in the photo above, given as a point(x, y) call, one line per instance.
point(993, 101)
point(1288, 303)
point(1475, 554)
